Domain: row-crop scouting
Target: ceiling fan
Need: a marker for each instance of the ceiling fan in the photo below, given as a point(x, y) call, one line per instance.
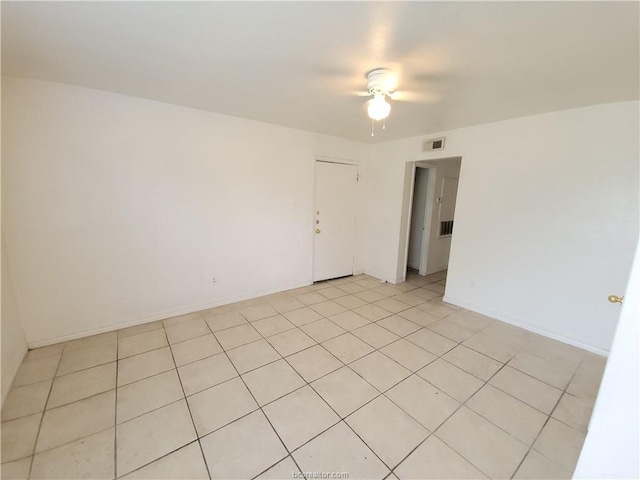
point(381, 84)
point(420, 87)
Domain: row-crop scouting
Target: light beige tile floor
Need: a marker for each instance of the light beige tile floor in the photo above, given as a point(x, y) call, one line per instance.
point(350, 375)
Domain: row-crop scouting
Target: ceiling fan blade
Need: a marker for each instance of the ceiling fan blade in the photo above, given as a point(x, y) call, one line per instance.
point(415, 97)
point(432, 78)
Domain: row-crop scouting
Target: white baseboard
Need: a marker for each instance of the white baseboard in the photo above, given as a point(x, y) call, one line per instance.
point(377, 276)
point(525, 326)
point(167, 314)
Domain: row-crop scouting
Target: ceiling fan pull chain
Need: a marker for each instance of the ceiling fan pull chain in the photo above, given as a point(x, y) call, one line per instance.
point(384, 123)
point(372, 125)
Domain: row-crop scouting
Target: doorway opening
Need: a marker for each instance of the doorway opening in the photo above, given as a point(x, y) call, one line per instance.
point(431, 190)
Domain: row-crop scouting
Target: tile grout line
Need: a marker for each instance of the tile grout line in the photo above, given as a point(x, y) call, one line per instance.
point(522, 401)
point(345, 365)
point(458, 343)
point(381, 394)
point(433, 432)
point(184, 393)
point(169, 344)
point(35, 443)
point(307, 384)
point(545, 424)
point(75, 371)
point(248, 322)
point(547, 415)
point(115, 420)
point(162, 406)
point(343, 419)
point(88, 368)
point(158, 408)
point(299, 327)
point(137, 469)
point(260, 407)
point(162, 456)
point(464, 404)
point(67, 404)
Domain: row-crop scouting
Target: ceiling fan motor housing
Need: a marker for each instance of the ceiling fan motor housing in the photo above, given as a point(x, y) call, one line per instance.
point(378, 81)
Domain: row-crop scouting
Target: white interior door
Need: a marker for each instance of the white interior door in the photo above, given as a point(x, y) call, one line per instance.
point(336, 197)
point(611, 447)
point(417, 227)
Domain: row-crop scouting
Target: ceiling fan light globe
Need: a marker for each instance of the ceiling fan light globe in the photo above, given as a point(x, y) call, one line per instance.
point(378, 108)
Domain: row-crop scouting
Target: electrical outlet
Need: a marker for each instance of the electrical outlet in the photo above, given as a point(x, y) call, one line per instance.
point(215, 280)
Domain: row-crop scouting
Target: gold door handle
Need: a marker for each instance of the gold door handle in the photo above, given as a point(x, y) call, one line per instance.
point(317, 230)
point(616, 299)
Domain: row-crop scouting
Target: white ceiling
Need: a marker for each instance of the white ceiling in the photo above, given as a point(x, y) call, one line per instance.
point(297, 64)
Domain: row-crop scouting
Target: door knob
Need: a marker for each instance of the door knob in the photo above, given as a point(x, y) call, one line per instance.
point(616, 299)
point(317, 230)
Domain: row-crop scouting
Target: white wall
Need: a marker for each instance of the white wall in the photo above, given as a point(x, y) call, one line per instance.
point(417, 217)
point(119, 210)
point(14, 343)
point(546, 217)
point(440, 247)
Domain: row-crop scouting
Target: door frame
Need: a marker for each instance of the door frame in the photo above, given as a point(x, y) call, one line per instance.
point(340, 161)
point(427, 217)
point(407, 207)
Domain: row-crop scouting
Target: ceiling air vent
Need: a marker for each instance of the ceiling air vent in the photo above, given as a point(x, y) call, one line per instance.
point(433, 144)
